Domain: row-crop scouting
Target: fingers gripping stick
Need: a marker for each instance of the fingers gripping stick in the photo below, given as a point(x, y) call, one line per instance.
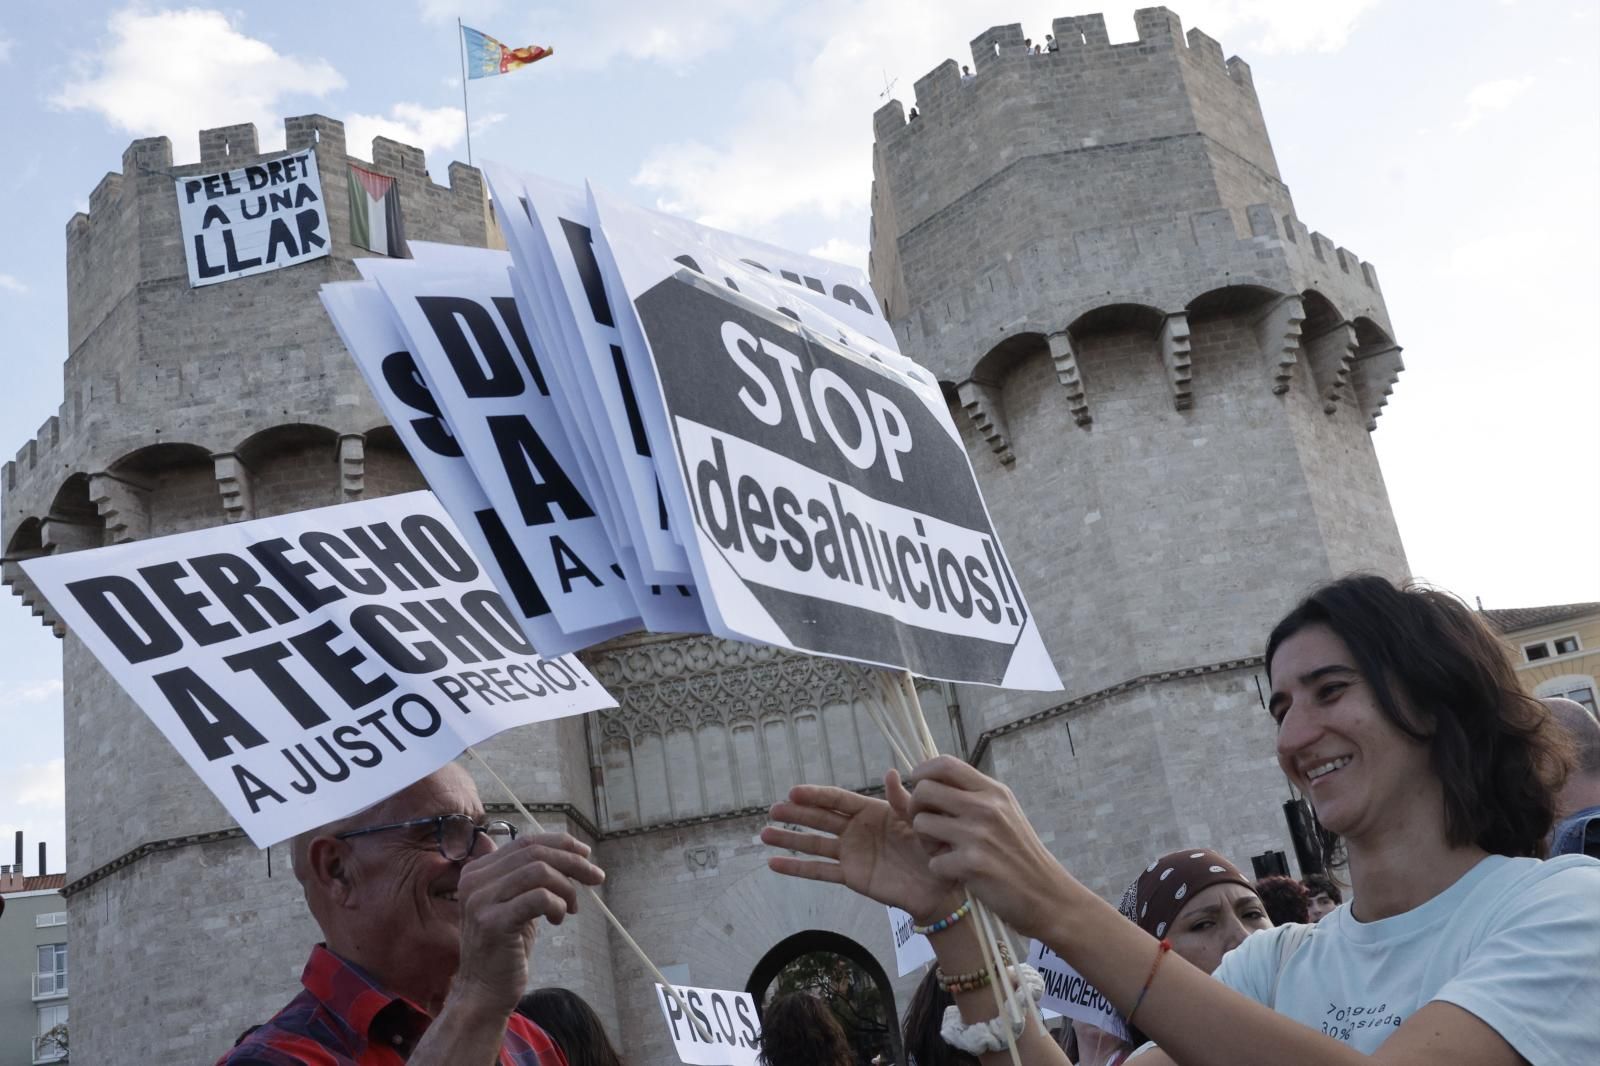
point(898, 713)
point(701, 1029)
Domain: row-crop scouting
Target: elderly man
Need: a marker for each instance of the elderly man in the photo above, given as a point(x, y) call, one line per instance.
point(1578, 803)
point(429, 915)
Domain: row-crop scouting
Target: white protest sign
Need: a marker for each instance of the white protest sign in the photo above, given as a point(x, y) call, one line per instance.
point(729, 1017)
point(464, 328)
point(262, 217)
point(361, 314)
point(559, 259)
point(912, 951)
point(308, 665)
point(831, 502)
point(1065, 990)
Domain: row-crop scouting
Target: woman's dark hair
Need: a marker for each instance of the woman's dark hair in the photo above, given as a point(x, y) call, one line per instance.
point(924, 1045)
point(1320, 885)
point(798, 1029)
point(572, 1024)
point(1285, 899)
point(1441, 678)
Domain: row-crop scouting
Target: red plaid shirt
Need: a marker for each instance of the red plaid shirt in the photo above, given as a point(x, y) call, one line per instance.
point(343, 1018)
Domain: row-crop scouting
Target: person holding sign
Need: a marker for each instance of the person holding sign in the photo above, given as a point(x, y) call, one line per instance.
point(429, 913)
point(1399, 715)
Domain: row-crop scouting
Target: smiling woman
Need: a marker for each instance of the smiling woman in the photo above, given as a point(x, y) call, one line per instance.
point(1398, 714)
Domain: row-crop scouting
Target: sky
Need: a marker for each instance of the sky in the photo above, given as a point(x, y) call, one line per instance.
point(1455, 144)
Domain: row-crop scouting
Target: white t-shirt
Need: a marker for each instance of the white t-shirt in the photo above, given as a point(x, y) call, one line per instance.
point(1515, 942)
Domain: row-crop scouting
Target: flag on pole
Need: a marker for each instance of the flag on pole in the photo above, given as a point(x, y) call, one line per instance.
point(375, 213)
point(487, 57)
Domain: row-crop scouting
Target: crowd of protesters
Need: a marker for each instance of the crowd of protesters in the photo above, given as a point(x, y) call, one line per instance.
point(1471, 933)
point(1463, 927)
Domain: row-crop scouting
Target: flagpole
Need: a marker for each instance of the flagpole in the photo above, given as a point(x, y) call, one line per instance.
point(466, 113)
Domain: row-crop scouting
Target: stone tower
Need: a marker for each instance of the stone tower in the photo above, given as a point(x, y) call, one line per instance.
point(1166, 383)
point(1169, 386)
point(187, 407)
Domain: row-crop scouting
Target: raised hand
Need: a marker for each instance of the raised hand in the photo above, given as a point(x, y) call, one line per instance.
point(502, 892)
point(978, 836)
point(861, 843)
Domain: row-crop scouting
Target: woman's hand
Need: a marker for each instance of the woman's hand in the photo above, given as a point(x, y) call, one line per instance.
point(978, 836)
point(870, 849)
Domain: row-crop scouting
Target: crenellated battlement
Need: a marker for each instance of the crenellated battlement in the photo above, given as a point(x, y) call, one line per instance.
point(193, 373)
point(1050, 193)
point(1084, 51)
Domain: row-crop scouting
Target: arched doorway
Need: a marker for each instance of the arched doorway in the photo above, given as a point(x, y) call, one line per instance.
point(844, 975)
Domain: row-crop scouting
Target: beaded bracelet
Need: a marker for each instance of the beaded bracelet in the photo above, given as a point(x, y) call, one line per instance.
point(968, 982)
point(1161, 953)
point(981, 1037)
point(946, 922)
point(973, 979)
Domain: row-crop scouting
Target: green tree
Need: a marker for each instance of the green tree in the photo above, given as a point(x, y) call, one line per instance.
point(53, 1041)
point(849, 991)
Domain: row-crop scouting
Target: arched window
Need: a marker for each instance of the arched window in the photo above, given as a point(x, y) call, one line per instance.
point(1580, 688)
point(844, 975)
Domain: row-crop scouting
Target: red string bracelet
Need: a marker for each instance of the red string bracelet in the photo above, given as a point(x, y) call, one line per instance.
point(1161, 953)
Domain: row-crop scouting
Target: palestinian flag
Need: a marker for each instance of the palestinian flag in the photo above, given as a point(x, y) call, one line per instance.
point(375, 221)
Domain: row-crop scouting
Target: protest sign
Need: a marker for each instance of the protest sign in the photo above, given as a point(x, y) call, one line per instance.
point(463, 326)
point(558, 261)
point(1066, 991)
point(308, 665)
point(262, 217)
point(461, 323)
point(830, 500)
point(724, 1031)
point(360, 313)
point(912, 950)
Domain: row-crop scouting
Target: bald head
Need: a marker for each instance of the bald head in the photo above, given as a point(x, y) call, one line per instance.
point(1581, 726)
point(1582, 788)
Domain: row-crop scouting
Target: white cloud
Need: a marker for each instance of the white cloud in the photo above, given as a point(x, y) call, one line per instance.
point(1269, 27)
point(20, 693)
point(800, 141)
point(225, 77)
point(5, 50)
point(40, 784)
point(12, 283)
point(429, 128)
point(38, 795)
point(484, 122)
point(1492, 97)
point(842, 251)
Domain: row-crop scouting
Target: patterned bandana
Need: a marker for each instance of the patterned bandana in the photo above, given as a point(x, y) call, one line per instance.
point(1156, 897)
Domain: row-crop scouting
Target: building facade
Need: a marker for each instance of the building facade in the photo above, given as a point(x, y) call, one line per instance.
point(33, 968)
point(1555, 649)
point(1166, 383)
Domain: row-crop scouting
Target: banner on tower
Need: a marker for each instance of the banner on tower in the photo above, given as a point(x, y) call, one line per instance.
point(307, 666)
point(262, 217)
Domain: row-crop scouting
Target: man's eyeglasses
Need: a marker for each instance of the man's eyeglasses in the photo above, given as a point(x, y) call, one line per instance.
point(456, 834)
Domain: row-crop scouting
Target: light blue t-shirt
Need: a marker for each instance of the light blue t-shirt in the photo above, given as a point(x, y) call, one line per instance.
point(1515, 942)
